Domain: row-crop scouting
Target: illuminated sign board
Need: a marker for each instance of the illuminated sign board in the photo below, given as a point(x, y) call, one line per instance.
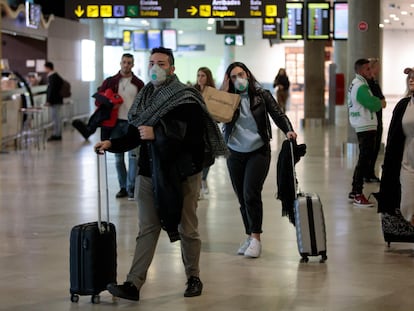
point(318, 18)
point(165, 8)
point(231, 8)
point(269, 28)
point(292, 24)
point(33, 15)
point(340, 28)
point(119, 9)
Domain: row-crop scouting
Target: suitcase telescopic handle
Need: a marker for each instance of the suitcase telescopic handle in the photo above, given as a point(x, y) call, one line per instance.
point(102, 178)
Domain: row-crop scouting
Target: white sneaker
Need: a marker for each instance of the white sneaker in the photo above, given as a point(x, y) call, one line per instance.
point(254, 249)
point(244, 246)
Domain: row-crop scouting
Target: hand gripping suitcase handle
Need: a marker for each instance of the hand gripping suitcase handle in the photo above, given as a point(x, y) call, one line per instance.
point(102, 179)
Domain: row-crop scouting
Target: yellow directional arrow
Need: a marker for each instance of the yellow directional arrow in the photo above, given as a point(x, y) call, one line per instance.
point(193, 10)
point(79, 11)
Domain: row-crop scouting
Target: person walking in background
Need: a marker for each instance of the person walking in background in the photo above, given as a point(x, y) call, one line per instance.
point(248, 138)
point(54, 100)
point(170, 122)
point(397, 179)
point(127, 85)
point(362, 106)
point(376, 91)
point(282, 84)
point(204, 78)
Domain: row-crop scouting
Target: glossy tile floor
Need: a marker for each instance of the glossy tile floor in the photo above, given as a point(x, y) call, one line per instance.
point(44, 193)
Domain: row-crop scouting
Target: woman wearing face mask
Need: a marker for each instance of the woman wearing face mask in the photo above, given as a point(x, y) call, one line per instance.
point(248, 139)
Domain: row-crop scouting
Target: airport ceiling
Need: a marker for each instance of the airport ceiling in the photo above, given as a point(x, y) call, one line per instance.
point(395, 14)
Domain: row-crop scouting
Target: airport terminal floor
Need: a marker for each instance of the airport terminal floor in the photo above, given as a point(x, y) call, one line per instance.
point(44, 193)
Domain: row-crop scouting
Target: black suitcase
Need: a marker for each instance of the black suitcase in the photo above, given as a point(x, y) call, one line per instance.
point(93, 255)
point(309, 222)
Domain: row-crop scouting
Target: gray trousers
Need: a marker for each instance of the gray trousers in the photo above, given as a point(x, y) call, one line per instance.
point(150, 228)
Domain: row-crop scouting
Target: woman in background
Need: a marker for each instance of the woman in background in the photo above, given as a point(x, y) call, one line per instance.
point(282, 85)
point(397, 180)
point(204, 78)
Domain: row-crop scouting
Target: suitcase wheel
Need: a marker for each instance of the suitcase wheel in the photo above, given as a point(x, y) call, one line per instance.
point(95, 299)
point(323, 259)
point(74, 298)
point(304, 259)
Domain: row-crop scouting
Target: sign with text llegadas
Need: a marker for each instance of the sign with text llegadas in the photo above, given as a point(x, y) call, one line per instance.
point(119, 9)
point(231, 8)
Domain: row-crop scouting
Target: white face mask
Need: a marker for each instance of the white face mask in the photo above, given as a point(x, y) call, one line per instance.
point(241, 84)
point(157, 75)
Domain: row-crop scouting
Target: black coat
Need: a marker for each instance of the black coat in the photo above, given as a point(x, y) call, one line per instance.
point(285, 177)
point(389, 195)
point(176, 153)
point(53, 96)
point(262, 105)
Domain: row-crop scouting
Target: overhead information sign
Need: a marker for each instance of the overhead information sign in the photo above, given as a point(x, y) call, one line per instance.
point(269, 28)
point(231, 8)
point(119, 9)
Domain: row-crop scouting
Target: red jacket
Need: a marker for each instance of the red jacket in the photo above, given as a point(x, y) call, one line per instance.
point(112, 83)
point(110, 102)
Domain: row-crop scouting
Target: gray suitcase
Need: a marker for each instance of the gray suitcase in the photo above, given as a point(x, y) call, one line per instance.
point(309, 222)
point(310, 226)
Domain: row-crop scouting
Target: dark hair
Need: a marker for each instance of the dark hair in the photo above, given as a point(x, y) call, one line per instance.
point(128, 55)
point(210, 80)
point(359, 63)
point(49, 65)
point(165, 51)
point(253, 83)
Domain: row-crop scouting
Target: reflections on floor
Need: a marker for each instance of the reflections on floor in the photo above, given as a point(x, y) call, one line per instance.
point(43, 193)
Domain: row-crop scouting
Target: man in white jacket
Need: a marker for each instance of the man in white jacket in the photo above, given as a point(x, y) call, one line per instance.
point(362, 105)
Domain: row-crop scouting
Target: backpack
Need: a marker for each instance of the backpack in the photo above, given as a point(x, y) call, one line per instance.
point(65, 90)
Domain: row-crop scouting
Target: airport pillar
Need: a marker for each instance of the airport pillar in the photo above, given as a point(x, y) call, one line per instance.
point(340, 59)
point(96, 33)
point(314, 82)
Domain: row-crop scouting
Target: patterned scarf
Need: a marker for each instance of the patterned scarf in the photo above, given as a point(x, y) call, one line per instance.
point(151, 104)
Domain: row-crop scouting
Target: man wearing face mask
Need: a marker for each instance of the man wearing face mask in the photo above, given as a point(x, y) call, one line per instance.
point(248, 139)
point(170, 123)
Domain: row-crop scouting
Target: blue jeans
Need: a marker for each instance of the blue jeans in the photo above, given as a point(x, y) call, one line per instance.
point(126, 178)
point(57, 122)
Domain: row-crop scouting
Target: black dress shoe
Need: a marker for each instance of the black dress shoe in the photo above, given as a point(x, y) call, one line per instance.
point(82, 128)
point(126, 291)
point(54, 138)
point(194, 287)
point(122, 193)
